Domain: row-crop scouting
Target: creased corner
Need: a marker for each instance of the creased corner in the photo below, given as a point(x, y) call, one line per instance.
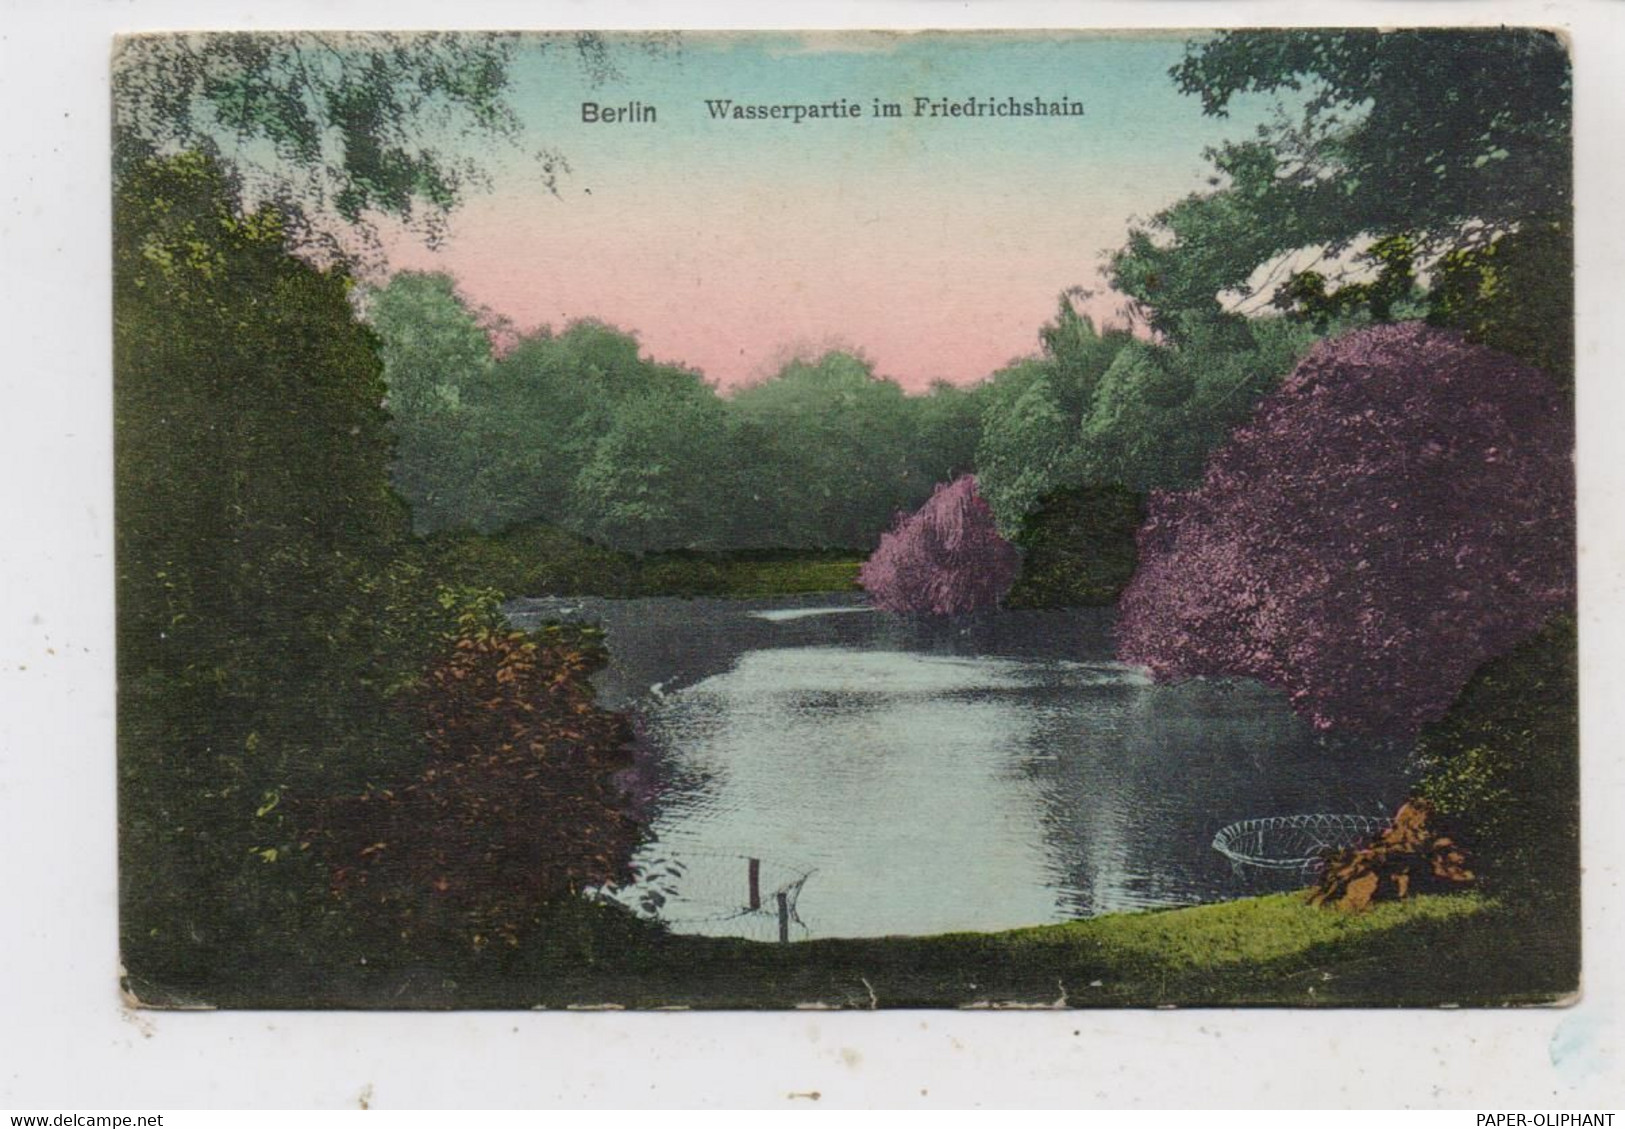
point(137, 995)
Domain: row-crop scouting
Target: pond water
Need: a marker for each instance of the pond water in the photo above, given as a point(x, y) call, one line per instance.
point(926, 776)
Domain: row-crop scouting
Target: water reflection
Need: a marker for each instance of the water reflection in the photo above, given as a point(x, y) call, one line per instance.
point(942, 775)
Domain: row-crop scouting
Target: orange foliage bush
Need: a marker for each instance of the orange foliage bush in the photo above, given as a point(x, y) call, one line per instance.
point(1410, 857)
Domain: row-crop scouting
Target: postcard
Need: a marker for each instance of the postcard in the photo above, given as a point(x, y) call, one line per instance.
point(846, 520)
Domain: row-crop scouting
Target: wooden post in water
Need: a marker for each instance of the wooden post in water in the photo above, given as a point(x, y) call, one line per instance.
point(755, 883)
point(784, 916)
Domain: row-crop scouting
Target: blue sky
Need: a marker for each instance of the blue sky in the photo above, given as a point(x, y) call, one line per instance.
point(936, 246)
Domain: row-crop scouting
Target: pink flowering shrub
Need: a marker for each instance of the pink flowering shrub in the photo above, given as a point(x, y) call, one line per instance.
point(1400, 511)
point(946, 558)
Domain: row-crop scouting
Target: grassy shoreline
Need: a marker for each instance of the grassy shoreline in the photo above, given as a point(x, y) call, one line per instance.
point(532, 560)
point(1443, 950)
point(1446, 950)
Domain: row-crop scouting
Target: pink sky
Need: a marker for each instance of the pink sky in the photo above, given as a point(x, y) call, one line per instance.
point(936, 249)
point(949, 288)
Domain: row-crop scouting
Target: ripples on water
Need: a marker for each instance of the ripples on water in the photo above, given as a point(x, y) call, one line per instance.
point(948, 775)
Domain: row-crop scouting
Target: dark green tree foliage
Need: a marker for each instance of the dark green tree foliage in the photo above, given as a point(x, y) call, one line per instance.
point(1028, 446)
point(1515, 294)
point(252, 442)
point(340, 120)
point(276, 624)
point(1447, 138)
point(1107, 407)
point(352, 125)
point(1458, 126)
point(947, 425)
point(533, 423)
point(875, 451)
point(1177, 266)
point(432, 344)
point(532, 558)
point(557, 417)
point(579, 429)
point(1078, 548)
point(435, 352)
point(1077, 356)
point(1134, 433)
point(1034, 410)
point(652, 480)
point(574, 428)
point(255, 532)
point(833, 440)
point(1503, 770)
point(1392, 290)
point(1223, 379)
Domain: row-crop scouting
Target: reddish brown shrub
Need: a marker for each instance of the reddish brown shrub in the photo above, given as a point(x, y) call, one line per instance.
point(518, 805)
point(1410, 857)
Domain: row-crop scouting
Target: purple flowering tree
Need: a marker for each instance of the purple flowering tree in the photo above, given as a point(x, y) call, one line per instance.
point(946, 558)
point(1400, 511)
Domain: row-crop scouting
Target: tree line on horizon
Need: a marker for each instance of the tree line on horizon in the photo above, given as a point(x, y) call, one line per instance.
point(578, 428)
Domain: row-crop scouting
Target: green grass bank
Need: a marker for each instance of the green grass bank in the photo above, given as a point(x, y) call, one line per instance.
point(1433, 951)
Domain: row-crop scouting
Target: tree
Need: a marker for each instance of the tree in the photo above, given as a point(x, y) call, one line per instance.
point(1401, 510)
point(657, 478)
point(252, 445)
point(1446, 138)
point(1099, 408)
point(536, 418)
point(432, 344)
point(345, 126)
point(945, 427)
point(1076, 356)
point(1515, 294)
point(1028, 449)
point(1502, 768)
point(434, 351)
point(1227, 379)
point(1135, 432)
point(1077, 548)
point(1422, 130)
point(1176, 267)
point(341, 119)
point(1159, 410)
point(833, 443)
point(1034, 410)
point(945, 559)
point(259, 600)
point(488, 442)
